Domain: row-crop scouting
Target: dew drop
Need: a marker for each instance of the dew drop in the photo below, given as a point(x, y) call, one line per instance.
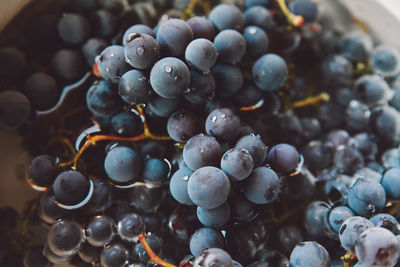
point(112, 54)
point(201, 149)
point(168, 68)
point(108, 69)
point(177, 78)
point(185, 177)
point(371, 208)
point(252, 30)
point(140, 51)
point(187, 91)
point(142, 78)
point(223, 115)
point(214, 118)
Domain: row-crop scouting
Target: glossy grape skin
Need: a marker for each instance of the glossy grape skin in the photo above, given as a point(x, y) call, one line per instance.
point(237, 164)
point(115, 255)
point(222, 124)
point(146, 199)
point(337, 70)
point(202, 150)
point(226, 16)
point(141, 51)
point(155, 170)
point(169, 77)
point(283, 158)
point(137, 28)
point(256, 41)
point(202, 87)
point(182, 125)
point(386, 61)
point(122, 164)
point(251, 3)
point(377, 246)
point(213, 256)
point(65, 238)
point(228, 80)
point(262, 186)
point(93, 47)
point(208, 187)
point(73, 28)
point(15, 109)
point(241, 208)
point(337, 216)
point(89, 253)
point(309, 253)
point(357, 116)
point(104, 23)
point(248, 95)
point(216, 217)
point(356, 46)
point(371, 90)
point(70, 187)
point(48, 211)
point(101, 198)
point(41, 90)
point(230, 45)
point(314, 217)
point(100, 231)
point(130, 226)
point(201, 54)
point(305, 8)
point(111, 63)
point(348, 160)
point(173, 36)
point(270, 72)
point(68, 65)
point(134, 87)
point(255, 146)
point(43, 170)
point(350, 231)
point(367, 172)
point(126, 124)
point(391, 183)
point(13, 62)
point(163, 107)
point(387, 221)
point(178, 186)
point(205, 238)
point(202, 28)
point(155, 242)
point(366, 196)
point(259, 16)
point(102, 100)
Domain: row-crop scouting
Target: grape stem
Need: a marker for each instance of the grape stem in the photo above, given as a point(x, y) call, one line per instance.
point(293, 19)
point(153, 256)
point(92, 140)
point(349, 259)
point(311, 100)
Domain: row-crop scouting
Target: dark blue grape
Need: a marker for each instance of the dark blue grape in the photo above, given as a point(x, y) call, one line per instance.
point(248, 95)
point(337, 216)
point(68, 65)
point(91, 48)
point(371, 90)
point(156, 244)
point(377, 246)
point(48, 210)
point(256, 41)
point(126, 124)
point(314, 218)
point(337, 70)
point(283, 158)
point(100, 231)
point(259, 16)
point(89, 253)
point(366, 197)
point(270, 72)
point(241, 208)
point(228, 80)
point(305, 8)
point(111, 63)
point(262, 186)
point(265, 3)
point(147, 199)
point(390, 158)
point(222, 123)
point(202, 150)
point(15, 108)
point(316, 155)
point(202, 87)
point(255, 146)
point(130, 227)
point(299, 185)
point(103, 23)
point(311, 128)
point(178, 185)
point(115, 255)
point(385, 124)
point(226, 16)
point(216, 217)
point(43, 170)
point(182, 125)
point(141, 51)
point(230, 45)
point(337, 188)
point(201, 54)
point(387, 221)
point(351, 230)
point(208, 187)
point(65, 238)
point(386, 61)
point(101, 198)
point(71, 188)
point(391, 183)
point(366, 145)
point(289, 237)
point(102, 100)
point(356, 46)
point(170, 77)
point(122, 164)
point(134, 87)
point(348, 160)
point(213, 256)
point(336, 139)
point(163, 107)
point(73, 28)
point(309, 253)
point(84, 5)
point(237, 164)
point(53, 258)
point(330, 115)
point(205, 238)
point(343, 96)
point(173, 36)
point(202, 28)
point(155, 170)
point(41, 90)
point(34, 257)
point(357, 116)
point(137, 28)
point(13, 62)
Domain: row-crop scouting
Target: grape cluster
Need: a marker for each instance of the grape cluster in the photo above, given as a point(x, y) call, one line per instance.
point(215, 134)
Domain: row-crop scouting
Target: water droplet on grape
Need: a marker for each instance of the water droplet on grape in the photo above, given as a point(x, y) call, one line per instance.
point(214, 118)
point(177, 78)
point(252, 30)
point(168, 69)
point(223, 115)
point(142, 78)
point(185, 177)
point(140, 51)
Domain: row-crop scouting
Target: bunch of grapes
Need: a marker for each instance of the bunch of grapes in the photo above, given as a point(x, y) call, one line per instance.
point(202, 133)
